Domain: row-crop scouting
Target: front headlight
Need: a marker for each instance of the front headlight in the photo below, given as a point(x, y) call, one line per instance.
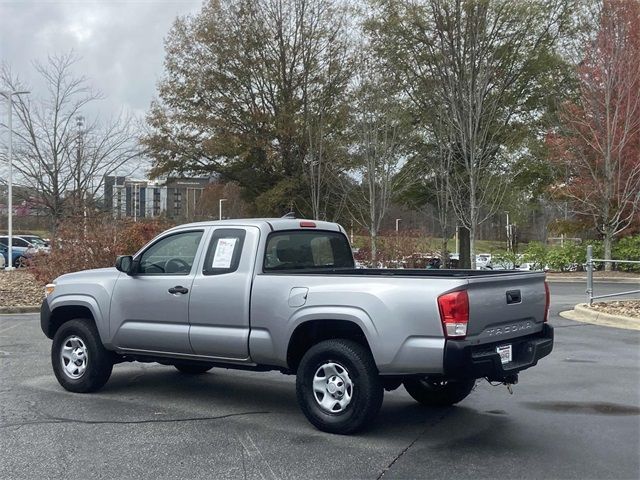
point(49, 288)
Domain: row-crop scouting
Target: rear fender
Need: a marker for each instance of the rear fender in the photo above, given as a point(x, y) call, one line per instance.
point(344, 313)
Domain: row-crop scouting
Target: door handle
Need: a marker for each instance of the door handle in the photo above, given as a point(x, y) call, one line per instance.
point(178, 289)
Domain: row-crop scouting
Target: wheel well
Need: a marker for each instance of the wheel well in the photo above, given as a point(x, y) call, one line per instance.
point(65, 313)
point(312, 332)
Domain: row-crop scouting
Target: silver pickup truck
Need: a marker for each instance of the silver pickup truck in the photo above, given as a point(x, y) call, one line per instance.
point(283, 294)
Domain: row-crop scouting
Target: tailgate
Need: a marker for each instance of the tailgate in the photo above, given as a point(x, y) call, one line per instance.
point(505, 306)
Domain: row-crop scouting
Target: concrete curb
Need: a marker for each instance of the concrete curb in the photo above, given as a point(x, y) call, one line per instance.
point(596, 280)
point(582, 313)
point(25, 309)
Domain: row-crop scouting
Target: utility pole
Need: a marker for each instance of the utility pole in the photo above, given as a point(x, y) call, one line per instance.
point(220, 207)
point(9, 96)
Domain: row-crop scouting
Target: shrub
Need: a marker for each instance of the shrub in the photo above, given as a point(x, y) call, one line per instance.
point(627, 248)
point(536, 254)
point(505, 259)
point(567, 257)
point(82, 244)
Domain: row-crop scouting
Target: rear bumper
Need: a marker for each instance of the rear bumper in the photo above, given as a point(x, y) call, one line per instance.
point(464, 360)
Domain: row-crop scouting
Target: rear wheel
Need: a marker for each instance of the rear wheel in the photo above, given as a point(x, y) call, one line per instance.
point(338, 386)
point(192, 369)
point(80, 361)
point(437, 392)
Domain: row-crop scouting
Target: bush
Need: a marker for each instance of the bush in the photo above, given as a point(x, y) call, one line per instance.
point(82, 244)
point(536, 255)
point(393, 249)
point(569, 257)
point(627, 248)
point(505, 259)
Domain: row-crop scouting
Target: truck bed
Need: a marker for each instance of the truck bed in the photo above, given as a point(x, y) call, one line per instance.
point(402, 272)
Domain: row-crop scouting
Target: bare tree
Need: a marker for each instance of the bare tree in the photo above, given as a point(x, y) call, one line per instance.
point(379, 128)
point(440, 172)
point(480, 67)
point(62, 159)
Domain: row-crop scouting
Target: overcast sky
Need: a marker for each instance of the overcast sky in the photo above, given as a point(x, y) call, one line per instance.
point(120, 42)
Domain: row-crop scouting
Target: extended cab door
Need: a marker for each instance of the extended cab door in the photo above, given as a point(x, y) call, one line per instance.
point(221, 294)
point(150, 308)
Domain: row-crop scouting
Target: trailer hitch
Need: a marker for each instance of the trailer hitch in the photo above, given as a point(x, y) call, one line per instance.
point(510, 381)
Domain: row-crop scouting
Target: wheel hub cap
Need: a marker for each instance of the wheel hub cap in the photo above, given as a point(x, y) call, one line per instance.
point(73, 357)
point(332, 387)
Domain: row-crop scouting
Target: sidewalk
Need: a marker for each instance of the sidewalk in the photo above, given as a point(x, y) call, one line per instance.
point(609, 277)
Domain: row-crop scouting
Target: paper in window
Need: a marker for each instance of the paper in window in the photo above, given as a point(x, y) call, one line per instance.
point(224, 253)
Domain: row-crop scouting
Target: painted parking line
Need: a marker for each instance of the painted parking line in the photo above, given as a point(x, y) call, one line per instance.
point(9, 328)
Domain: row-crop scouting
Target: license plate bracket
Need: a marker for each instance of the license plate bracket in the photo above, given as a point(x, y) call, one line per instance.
point(505, 352)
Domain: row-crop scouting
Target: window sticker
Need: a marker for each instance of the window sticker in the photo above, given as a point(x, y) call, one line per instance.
point(224, 253)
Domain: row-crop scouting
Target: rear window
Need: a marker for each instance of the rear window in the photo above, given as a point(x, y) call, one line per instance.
point(296, 250)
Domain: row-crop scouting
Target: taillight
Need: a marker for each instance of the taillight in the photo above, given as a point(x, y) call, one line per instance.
point(454, 313)
point(306, 224)
point(547, 301)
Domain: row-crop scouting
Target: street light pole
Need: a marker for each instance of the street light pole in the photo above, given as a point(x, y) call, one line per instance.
point(220, 207)
point(9, 95)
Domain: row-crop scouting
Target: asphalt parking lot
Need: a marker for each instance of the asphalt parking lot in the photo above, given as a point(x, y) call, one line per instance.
point(576, 415)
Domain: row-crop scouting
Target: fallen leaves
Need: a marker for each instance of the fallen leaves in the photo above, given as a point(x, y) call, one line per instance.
point(625, 308)
point(19, 288)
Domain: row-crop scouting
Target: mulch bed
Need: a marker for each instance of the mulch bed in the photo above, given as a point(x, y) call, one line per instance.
point(626, 308)
point(18, 288)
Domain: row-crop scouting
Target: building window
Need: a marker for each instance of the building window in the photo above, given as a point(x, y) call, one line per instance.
point(156, 202)
point(177, 202)
point(118, 209)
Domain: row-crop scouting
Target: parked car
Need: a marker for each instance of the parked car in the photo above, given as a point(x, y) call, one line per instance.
point(41, 245)
point(19, 258)
point(284, 295)
point(2, 260)
point(26, 249)
point(483, 261)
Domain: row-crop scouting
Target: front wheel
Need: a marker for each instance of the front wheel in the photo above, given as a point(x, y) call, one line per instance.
point(338, 386)
point(80, 361)
point(20, 262)
point(437, 392)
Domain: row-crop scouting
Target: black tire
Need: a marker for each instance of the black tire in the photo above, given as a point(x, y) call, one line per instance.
point(366, 387)
point(192, 369)
point(20, 262)
point(436, 392)
point(99, 361)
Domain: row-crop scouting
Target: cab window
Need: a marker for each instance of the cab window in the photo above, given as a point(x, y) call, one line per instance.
point(299, 250)
point(171, 255)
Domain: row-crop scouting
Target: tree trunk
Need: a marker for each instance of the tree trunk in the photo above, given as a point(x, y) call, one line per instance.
point(464, 255)
point(472, 247)
point(608, 240)
point(444, 255)
point(374, 249)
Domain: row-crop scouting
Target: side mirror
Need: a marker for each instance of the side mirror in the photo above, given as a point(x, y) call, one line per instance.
point(124, 264)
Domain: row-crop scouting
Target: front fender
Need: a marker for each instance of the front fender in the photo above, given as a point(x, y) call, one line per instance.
point(87, 301)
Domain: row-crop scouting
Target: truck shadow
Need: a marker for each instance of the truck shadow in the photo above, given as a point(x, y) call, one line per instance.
point(267, 392)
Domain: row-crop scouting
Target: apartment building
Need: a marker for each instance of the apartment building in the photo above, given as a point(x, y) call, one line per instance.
point(175, 198)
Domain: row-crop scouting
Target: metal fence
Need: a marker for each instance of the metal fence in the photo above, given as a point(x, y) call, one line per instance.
point(589, 267)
